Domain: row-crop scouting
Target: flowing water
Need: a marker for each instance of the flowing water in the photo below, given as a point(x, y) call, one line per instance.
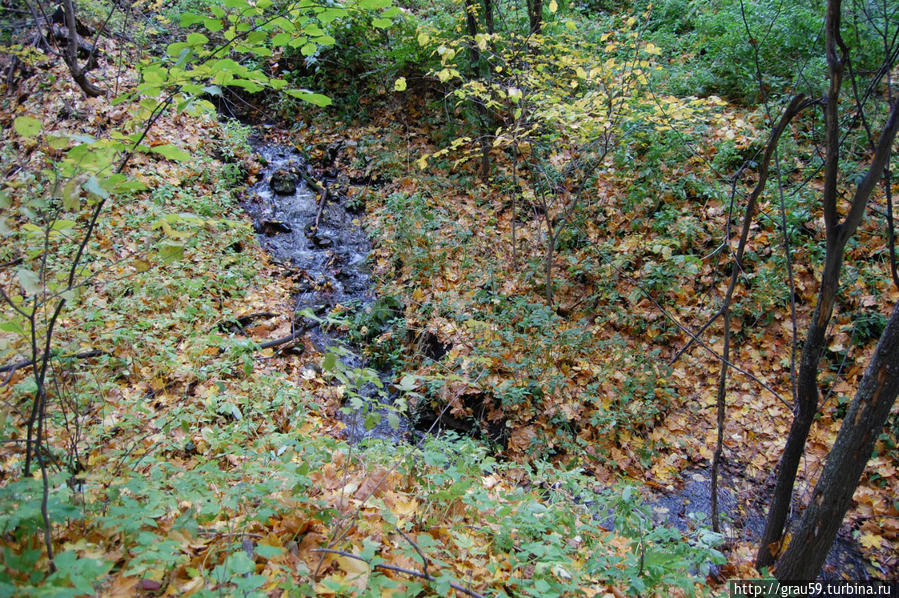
point(329, 267)
point(686, 507)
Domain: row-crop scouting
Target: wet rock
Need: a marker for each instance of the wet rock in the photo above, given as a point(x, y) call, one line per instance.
point(322, 241)
point(273, 227)
point(303, 286)
point(284, 182)
point(332, 151)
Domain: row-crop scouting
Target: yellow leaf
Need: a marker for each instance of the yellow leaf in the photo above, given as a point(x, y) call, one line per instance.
point(400, 84)
point(423, 38)
point(357, 571)
point(653, 49)
point(869, 540)
point(631, 21)
point(553, 6)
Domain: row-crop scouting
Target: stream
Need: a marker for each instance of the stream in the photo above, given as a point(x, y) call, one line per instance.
point(329, 267)
point(687, 507)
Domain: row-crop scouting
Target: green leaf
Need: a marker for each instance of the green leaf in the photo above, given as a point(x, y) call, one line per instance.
point(329, 363)
point(58, 142)
point(408, 383)
point(212, 25)
point(307, 96)
point(309, 49)
point(93, 186)
point(174, 50)
point(126, 186)
point(374, 4)
point(197, 39)
point(240, 563)
point(330, 14)
point(188, 19)
point(63, 225)
point(27, 127)
point(30, 281)
point(12, 326)
point(171, 152)
point(382, 23)
point(267, 552)
point(170, 252)
point(281, 39)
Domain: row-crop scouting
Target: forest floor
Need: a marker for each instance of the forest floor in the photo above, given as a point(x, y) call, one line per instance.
point(198, 461)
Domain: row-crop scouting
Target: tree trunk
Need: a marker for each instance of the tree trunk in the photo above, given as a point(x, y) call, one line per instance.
point(488, 17)
point(846, 462)
point(805, 409)
point(548, 258)
point(71, 55)
point(535, 15)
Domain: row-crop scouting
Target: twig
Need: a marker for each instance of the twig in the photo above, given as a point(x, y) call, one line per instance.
point(11, 263)
point(322, 190)
point(424, 560)
point(412, 572)
point(285, 339)
point(12, 367)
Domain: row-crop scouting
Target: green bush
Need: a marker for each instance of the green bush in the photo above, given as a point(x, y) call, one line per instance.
point(363, 63)
point(720, 55)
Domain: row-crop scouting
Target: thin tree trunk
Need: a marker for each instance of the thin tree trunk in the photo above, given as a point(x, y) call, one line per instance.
point(846, 462)
point(71, 55)
point(488, 17)
point(804, 411)
point(535, 15)
point(474, 57)
point(796, 105)
point(548, 258)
